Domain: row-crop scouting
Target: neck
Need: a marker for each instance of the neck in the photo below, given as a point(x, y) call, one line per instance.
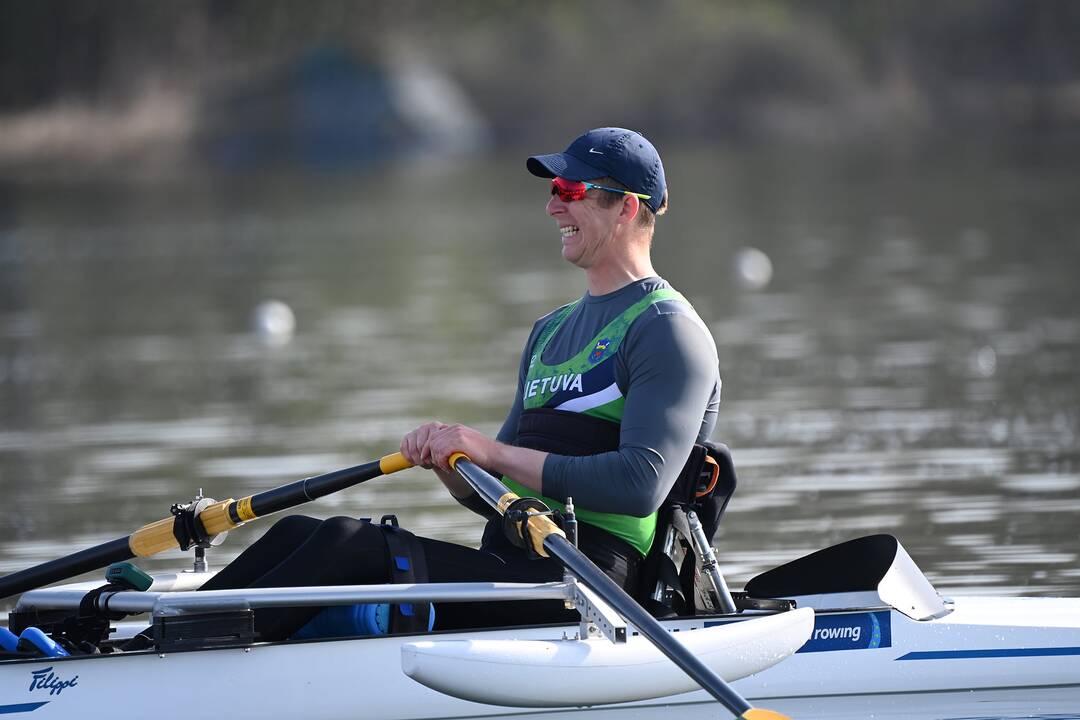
point(609, 276)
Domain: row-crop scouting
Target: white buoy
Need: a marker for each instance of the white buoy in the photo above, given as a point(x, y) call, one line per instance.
point(983, 362)
point(753, 268)
point(274, 322)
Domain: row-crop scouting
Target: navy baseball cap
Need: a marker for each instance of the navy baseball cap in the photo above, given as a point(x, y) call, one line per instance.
point(621, 154)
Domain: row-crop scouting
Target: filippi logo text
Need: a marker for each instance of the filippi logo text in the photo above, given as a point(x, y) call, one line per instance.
point(48, 680)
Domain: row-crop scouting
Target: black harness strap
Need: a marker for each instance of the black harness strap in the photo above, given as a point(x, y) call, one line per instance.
point(408, 565)
point(565, 433)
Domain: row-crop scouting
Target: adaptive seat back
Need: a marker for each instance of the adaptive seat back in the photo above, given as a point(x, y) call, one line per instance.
point(671, 581)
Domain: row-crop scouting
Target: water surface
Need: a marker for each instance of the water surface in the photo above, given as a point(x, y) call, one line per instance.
point(911, 367)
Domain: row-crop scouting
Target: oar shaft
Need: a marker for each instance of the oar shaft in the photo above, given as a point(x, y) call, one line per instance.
point(302, 491)
point(65, 567)
point(556, 545)
point(646, 624)
point(228, 514)
point(217, 518)
point(498, 496)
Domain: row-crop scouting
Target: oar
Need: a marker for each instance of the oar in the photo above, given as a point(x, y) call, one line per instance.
point(216, 518)
point(549, 541)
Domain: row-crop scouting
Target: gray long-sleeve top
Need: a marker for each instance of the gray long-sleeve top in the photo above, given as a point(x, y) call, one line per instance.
point(666, 368)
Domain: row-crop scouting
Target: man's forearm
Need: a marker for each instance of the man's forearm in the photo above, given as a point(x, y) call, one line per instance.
point(521, 464)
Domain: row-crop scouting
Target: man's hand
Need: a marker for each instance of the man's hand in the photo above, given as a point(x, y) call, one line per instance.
point(431, 445)
point(450, 439)
point(415, 446)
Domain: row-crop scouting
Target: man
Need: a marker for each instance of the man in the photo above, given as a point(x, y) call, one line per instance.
point(613, 391)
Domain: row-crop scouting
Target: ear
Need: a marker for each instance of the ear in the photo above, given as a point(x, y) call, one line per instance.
point(629, 210)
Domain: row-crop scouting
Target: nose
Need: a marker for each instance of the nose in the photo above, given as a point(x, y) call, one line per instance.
point(555, 206)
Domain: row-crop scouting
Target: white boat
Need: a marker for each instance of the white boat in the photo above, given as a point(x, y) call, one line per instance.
point(870, 627)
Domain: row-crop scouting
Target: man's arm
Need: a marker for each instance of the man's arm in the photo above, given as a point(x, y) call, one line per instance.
point(672, 377)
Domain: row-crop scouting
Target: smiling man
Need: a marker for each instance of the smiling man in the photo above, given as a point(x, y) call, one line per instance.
point(614, 388)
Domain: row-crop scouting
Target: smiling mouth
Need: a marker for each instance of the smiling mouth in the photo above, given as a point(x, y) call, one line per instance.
point(568, 231)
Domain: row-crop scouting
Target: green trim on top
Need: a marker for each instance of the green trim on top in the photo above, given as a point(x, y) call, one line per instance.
point(614, 332)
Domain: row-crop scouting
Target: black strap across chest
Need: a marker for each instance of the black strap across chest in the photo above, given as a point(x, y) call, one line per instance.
point(565, 433)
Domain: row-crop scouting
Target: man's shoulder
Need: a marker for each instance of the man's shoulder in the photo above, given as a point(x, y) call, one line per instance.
point(669, 301)
point(544, 319)
point(660, 318)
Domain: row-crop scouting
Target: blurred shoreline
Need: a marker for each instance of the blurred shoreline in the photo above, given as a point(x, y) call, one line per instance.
point(143, 90)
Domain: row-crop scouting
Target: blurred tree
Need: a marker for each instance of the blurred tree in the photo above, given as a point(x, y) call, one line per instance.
point(703, 66)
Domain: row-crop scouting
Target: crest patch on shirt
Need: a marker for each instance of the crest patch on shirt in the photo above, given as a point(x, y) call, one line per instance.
point(600, 351)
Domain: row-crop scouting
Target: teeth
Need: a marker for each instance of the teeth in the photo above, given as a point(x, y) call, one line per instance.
point(568, 230)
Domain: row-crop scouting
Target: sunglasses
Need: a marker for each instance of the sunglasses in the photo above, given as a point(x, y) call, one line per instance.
point(571, 190)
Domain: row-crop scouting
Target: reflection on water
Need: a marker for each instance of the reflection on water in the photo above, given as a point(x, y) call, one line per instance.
point(910, 368)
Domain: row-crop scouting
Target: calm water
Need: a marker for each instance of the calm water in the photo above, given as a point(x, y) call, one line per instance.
point(912, 367)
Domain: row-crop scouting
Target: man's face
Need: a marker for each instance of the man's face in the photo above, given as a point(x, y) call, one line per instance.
point(586, 227)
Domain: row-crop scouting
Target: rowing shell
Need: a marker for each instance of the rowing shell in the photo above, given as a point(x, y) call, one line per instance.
point(362, 677)
point(882, 642)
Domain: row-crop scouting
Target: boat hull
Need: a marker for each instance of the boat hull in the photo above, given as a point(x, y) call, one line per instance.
point(1029, 647)
point(324, 680)
point(981, 644)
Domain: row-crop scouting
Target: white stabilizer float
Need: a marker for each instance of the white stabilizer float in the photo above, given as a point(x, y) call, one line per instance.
point(571, 672)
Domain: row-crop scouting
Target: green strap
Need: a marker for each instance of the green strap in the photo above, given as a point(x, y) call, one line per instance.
point(615, 330)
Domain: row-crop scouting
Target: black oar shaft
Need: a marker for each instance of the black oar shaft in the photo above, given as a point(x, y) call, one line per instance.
point(65, 567)
point(556, 545)
point(646, 624)
point(302, 491)
point(217, 518)
point(498, 496)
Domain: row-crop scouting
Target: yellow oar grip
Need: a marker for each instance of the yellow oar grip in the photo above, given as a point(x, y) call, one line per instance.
point(457, 456)
point(392, 463)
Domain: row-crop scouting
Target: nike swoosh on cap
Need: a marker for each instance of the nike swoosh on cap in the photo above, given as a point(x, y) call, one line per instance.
point(594, 151)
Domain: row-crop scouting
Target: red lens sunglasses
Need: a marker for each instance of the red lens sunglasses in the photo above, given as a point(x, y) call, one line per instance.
point(573, 190)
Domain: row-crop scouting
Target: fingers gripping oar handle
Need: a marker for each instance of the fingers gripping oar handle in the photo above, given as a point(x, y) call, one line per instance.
point(215, 519)
point(557, 546)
